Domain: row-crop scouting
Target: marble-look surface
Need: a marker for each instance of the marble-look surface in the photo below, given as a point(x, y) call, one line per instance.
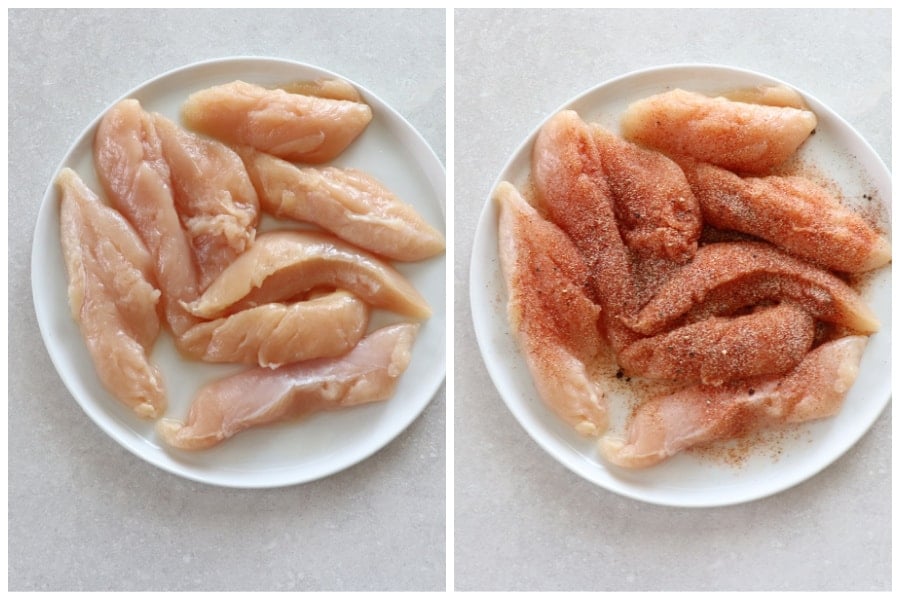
point(84, 513)
point(524, 522)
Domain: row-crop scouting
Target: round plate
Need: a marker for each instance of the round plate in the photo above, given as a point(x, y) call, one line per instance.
point(389, 149)
point(692, 479)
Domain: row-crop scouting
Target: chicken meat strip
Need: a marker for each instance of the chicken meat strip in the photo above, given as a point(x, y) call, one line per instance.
point(274, 334)
point(572, 191)
point(281, 265)
point(769, 95)
point(739, 136)
point(295, 127)
point(657, 213)
point(334, 89)
point(727, 276)
point(111, 295)
point(793, 213)
point(213, 195)
point(663, 426)
point(769, 341)
point(353, 205)
point(554, 321)
point(261, 396)
point(130, 165)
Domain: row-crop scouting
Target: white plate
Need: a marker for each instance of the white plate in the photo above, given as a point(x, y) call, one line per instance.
point(688, 479)
point(392, 151)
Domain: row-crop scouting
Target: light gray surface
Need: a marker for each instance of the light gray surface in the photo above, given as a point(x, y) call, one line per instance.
point(522, 520)
point(83, 512)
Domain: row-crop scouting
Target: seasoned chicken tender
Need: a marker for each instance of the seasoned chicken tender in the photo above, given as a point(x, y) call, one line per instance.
point(768, 94)
point(353, 205)
point(281, 265)
point(572, 191)
point(555, 323)
point(663, 426)
point(739, 136)
point(726, 276)
point(111, 295)
point(793, 213)
point(657, 213)
point(213, 195)
point(770, 341)
point(295, 127)
point(274, 334)
point(260, 396)
point(129, 161)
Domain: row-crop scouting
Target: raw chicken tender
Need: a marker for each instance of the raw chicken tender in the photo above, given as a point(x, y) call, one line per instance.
point(274, 334)
point(129, 160)
point(727, 276)
point(657, 213)
point(335, 89)
point(742, 137)
point(791, 212)
point(666, 425)
point(349, 203)
point(111, 295)
point(770, 341)
point(295, 127)
point(213, 195)
point(281, 265)
point(572, 191)
point(260, 396)
point(554, 321)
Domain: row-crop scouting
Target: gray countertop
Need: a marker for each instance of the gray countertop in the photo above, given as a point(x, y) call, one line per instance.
point(84, 513)
point(522, 520)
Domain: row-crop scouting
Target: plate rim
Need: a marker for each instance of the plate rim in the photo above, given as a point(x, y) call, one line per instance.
point(432, 169)
point(545, 439)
